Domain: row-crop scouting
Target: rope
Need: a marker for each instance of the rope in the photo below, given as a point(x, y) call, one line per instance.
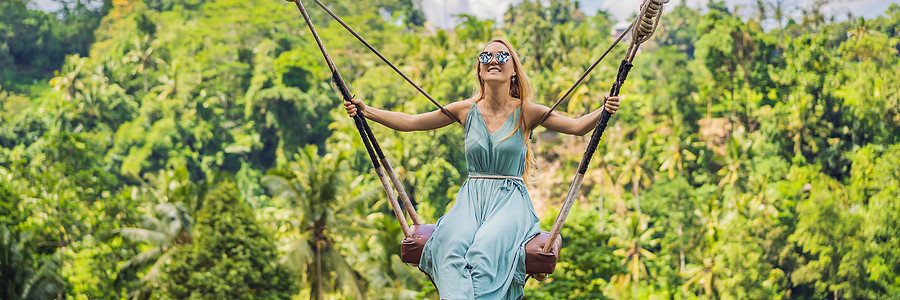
point(444, 110)
point(648, 19)
point(385, 60)
point(650, 11)
point(365, 132)
point(583, 75)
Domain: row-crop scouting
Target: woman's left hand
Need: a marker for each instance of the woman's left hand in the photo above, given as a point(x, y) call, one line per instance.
point(612, 103)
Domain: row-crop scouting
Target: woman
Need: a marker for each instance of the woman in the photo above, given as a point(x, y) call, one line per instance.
point(477, 249)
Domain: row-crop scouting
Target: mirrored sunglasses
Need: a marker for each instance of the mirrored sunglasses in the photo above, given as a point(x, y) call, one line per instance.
point(486, 57)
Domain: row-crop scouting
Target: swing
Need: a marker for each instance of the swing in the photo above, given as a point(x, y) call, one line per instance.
point(539, 259)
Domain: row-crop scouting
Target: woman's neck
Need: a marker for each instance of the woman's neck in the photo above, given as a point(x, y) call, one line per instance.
point(497, 95)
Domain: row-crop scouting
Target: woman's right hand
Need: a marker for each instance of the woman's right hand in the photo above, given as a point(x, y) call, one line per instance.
point(351, 108)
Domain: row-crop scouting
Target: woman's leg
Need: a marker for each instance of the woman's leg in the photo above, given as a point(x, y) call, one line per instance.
point(444, 254)
point(496, 255)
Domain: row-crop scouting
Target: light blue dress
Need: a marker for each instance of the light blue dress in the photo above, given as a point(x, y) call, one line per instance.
point(477, 250)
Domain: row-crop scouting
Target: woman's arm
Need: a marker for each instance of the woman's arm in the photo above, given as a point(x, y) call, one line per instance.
point(563, 124)
point(406, 122)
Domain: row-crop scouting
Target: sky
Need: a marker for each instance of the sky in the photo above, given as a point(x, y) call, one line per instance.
point(441, 12)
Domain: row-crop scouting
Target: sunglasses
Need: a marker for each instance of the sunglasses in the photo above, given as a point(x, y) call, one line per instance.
point(486, 57)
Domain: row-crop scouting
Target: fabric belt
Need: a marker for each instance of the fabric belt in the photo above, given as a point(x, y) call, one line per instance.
point(496, 177)
point(508, 181)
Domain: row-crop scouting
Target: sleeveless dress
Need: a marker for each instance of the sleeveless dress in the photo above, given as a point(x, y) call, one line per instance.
point(477, 250)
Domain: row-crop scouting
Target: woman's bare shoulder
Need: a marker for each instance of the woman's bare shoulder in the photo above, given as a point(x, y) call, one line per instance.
point(533, 112)
point(460, 109)
point(531, 107)
point(462, 103)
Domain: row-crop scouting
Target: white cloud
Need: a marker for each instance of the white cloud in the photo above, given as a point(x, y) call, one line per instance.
point(489, 9)
point(440, 12)
point(46, 5)
point(622, 9)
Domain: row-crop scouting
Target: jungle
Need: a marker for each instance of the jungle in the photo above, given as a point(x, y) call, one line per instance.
point(159, 149)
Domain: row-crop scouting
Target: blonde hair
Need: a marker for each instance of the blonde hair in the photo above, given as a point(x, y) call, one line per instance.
point(520, 88)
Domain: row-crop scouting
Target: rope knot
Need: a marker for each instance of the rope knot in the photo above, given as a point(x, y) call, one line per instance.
point(648, 20)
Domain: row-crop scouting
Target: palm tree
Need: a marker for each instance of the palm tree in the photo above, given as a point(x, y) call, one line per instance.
point(733, 174)
point(67, 85)
point(779, 15)
point(392, 278)
point(165, 229)
point(633, 237)
point(168, 81)
point(701, 275)
point(675, 155)
point(68, 81)
point(140, 55)
point(20, 280)
point(635, 170)
point(762, 193)
point(322, 208)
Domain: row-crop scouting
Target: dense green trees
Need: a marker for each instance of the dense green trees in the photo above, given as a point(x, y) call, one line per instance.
point(232, 257)
point(320, 208)
point(34, 43)
point(166, 230)
point(746, 162)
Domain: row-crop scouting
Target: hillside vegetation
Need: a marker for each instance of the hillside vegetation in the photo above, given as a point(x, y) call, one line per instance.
point(197, 149)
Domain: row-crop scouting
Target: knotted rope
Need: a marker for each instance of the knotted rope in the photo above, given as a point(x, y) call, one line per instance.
point(643, 27)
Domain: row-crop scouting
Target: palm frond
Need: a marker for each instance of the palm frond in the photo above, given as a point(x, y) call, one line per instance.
point(299, 254)
point(141, 259)
point(352, 229)
point(174, 219)
point(144, 235)
point(362, 203)
point(187, 222)
point(152, 222)
point(279, 186)
point(282, 187)
point(45, 282)
point(347, 278)
point(152, 276)
point(405, 277)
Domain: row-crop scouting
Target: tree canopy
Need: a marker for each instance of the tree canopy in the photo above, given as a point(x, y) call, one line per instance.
point(197, 149)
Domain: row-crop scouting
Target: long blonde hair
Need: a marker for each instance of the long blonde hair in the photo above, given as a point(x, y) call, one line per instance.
point(520, 88)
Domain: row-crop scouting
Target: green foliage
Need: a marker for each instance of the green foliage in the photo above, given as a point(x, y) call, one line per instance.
point(876, 183)
point(586, 243)
point(165, 231)
point(16, 262)
point(33, 43)
point(817, 124)
point(323, 209)
point(232, 256)
point(745, 162)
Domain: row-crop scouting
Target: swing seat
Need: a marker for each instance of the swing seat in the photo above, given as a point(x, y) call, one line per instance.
point(536, 260)
point(411, 247)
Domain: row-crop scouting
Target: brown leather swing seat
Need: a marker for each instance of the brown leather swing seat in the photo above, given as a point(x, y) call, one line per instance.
point(536, 260)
